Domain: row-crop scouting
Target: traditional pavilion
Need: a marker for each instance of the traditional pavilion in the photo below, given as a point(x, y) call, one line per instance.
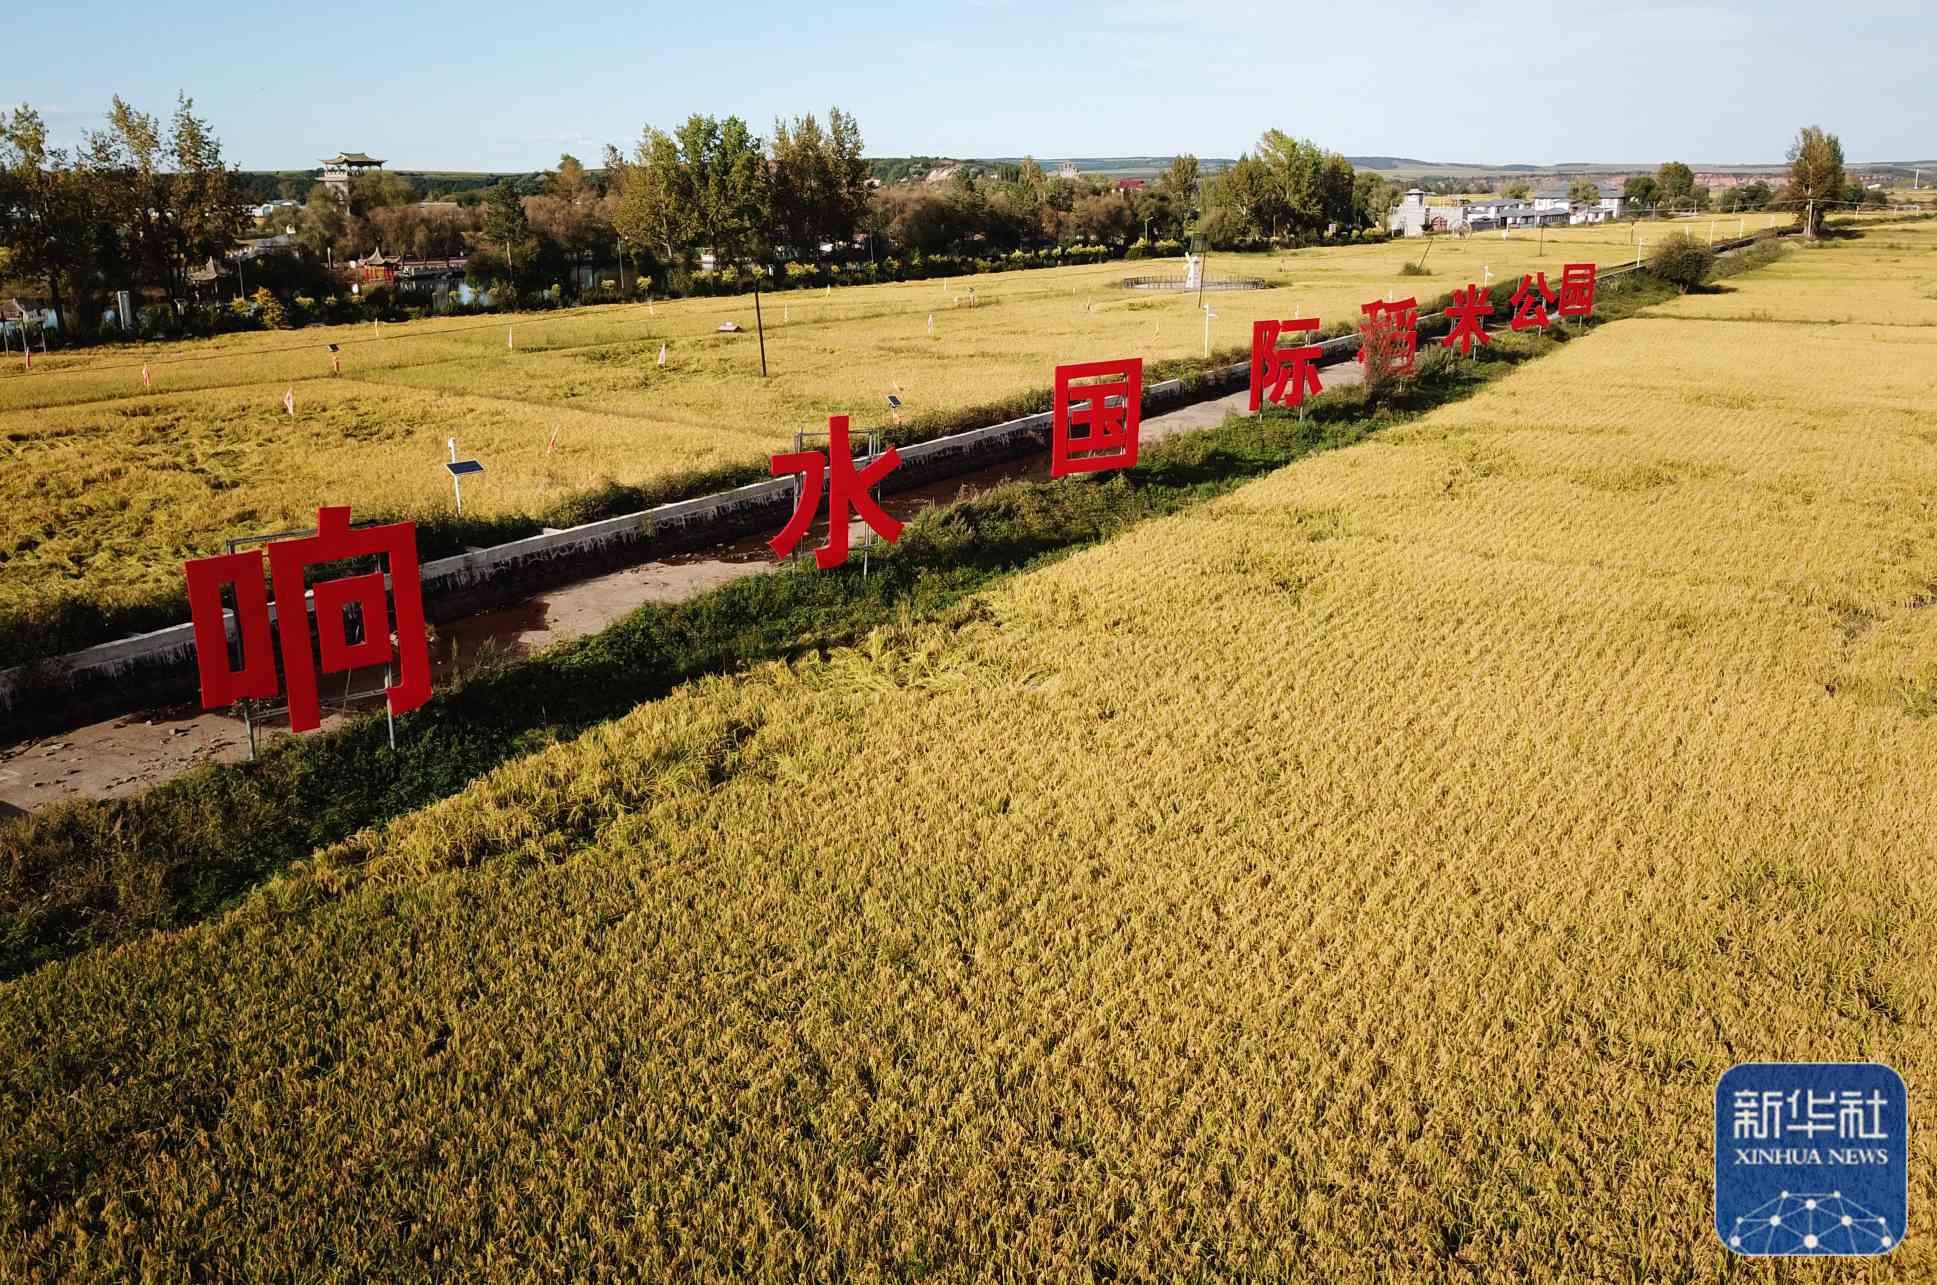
point(337, 170)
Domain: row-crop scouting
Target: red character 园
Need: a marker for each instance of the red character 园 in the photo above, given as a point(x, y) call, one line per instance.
point(1282, 375)
point(1530, 302)
point(288, 559)
point(1469, 312)
point(1577, 290)
point(851, 488)
point(1109, 410)
point(1392, 327)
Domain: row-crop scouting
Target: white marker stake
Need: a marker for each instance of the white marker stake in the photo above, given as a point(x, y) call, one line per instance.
point(1209, 316)
point(146, 382)
point(662, 356)
point(289, 402)
point(931, 323)
point(507, 337)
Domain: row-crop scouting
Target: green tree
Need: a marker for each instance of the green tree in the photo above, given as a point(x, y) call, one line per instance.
point(44, 208)
point(1177, 193)
point(1517, 190)
point(1641, 192)
point(1815, 176)
point(1675, 186)
point(1582, 192)
point(506, 228)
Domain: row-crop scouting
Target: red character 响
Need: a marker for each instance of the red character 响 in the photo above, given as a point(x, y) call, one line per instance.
point(334, 541)
point(1577, 290)
point(850, 488)
point(1469, 312)
point(1530, 302)
point(1390, 328)
point(1109, 409)
point(1282, 375)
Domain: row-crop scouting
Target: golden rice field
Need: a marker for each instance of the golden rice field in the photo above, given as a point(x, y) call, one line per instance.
point(1365, 876)
point(105, 488)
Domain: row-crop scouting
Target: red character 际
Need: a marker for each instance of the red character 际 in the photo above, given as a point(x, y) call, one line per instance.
point(334, 541)
point(1391, 327)
point(1282, 375)
point(1530, 302)
point(1469, 312)
point(1109, 410)
point(1577, 290)
point(851, 488)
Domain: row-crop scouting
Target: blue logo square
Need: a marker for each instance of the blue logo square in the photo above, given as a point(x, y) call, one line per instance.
point(1810, 1158)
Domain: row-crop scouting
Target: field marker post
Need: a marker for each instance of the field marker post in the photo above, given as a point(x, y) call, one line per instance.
point(457, 483)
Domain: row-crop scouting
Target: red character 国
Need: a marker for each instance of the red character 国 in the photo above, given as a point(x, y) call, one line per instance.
point(1390, 328)
point(1109, 410)
point(1530, 302)
point(288, 559)
point(850, 488)
point(1469, 312)
point(1577, 290)
point(1282, 375)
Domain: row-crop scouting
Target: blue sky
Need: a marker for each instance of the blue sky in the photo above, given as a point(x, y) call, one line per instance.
point(495, 85)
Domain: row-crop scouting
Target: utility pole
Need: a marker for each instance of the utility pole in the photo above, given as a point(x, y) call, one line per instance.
point(758, 323)
point(621, 267)
point(1809, 220)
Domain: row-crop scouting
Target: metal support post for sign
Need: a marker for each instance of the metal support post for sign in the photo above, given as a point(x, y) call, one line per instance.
point(389, 715)
point(457, 483)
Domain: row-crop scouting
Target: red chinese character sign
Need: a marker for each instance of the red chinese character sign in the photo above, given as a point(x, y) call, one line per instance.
point(1108, 408)
point(1282, 375)
point(1577, 290)
point(849, 488)
point(1531, 301)
point(334, 541)
point(1469, 312)
point(1390, 333)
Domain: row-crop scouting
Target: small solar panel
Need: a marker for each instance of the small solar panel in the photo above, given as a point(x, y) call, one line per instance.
point(894, 403)
point(459, 468)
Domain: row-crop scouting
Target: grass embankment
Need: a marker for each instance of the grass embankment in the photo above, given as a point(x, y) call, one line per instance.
point(1364, 874)
point(105, 489)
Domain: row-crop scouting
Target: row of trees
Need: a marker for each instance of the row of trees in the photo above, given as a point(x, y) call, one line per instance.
point(137, 206)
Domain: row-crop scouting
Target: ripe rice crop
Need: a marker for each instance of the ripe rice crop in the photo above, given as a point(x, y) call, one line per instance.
point(105, 489)
point(1365, 875)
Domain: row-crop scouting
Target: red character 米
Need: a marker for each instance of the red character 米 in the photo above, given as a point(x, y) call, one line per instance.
point(1469, 312)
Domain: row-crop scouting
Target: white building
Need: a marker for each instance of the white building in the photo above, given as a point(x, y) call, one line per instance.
point(1413, 217)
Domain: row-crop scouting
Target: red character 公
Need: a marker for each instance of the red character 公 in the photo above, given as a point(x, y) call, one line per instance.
point(851, 488)
point(1530, 302)
point(1109, 409)
point(1282, 375)
point(334, 540)
point(1469, 312)
point(1577, 290)
point(1392, 326)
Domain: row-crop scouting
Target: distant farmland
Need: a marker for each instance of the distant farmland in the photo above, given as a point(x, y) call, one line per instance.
point(106, 488)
